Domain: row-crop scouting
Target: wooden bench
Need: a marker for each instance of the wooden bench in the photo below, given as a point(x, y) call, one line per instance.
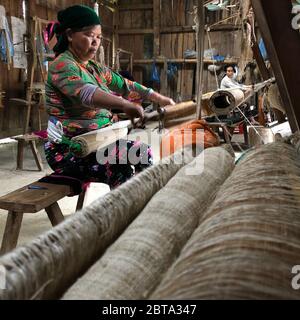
point(31, 199)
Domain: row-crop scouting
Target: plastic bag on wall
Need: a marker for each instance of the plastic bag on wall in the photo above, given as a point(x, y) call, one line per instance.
point(154, 74)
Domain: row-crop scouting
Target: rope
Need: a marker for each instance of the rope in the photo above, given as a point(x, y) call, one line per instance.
point(210, 47)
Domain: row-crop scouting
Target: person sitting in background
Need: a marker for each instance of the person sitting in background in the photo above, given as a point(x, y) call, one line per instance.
point(79, 96)
point(229, 82)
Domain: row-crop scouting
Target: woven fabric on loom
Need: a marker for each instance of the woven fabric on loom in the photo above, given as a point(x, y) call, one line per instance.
point(133, 266)
point(46, 267)
point(249, 240)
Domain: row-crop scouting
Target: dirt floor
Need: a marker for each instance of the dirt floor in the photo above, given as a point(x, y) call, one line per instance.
point(35, 224)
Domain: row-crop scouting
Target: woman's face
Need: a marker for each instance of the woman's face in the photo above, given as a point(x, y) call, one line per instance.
point(229, 72)
point(85, 43)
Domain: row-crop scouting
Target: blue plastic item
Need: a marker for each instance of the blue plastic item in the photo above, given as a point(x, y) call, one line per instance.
point(154, 74)
point(263, 49)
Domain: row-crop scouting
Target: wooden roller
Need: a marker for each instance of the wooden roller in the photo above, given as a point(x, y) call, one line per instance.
point(92, 141)
point(178, 110)
point(222, 102)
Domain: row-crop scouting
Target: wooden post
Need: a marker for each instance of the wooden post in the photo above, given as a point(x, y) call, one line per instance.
point(164, 79)
point(115, 37)
point(11, 232)
point(260, 60)
point(283, 47)
point(20, 154)
point(31, 31)
point(200, 50)
point(156, 27)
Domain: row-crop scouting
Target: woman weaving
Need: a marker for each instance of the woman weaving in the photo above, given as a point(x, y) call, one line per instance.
point(79, 94)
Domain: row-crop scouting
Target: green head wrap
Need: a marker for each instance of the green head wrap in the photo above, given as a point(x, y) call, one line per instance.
point(76, 18)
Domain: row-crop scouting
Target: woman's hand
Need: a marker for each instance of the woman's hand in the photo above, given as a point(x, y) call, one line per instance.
point(134, 111)
point(161, 99)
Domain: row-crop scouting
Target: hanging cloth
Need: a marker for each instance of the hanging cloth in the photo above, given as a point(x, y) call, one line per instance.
point(6, 43)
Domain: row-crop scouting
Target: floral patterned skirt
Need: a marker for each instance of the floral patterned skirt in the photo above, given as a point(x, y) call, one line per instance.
point(121, 161)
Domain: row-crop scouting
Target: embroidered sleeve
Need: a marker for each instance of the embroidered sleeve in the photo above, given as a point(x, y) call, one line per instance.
point(130, 90)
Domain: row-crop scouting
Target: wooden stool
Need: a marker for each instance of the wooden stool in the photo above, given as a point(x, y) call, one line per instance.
point(31, 199)
point(31, 139)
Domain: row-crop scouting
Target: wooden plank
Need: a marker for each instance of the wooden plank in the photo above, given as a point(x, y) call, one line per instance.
point(135, 31)
point(225, 27)
point(180, 60)
point(189, 18)
point(200, 51)
point(115, 38)
point(137, 19)
point(33, 200)
point(190, 74)
point(185, 78)
point(156, 27)
point(166, 13)
point(148, 19)
point(177, 29)
point(11, 232)
point(136, 6)
point(181, 13)
point(180, 68)
point(283, 47)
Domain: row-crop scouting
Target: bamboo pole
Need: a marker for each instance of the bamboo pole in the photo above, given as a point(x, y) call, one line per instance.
point(200, 51)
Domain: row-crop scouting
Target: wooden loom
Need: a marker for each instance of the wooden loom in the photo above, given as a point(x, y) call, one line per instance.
point(137, 242)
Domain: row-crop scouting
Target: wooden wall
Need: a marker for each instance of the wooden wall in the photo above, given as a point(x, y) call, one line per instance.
point(176, 36)
point(13, 81)
point(137, 30)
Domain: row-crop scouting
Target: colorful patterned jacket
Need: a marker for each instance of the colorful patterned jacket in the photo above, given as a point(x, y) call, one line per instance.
point(67, 77)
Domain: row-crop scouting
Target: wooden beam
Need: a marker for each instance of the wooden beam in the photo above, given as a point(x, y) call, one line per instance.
point(177, 29)
point(156, 27)
point(107, 28)
point(185, 61)
point(124, 51)
point(260, 60)
point(135, 31)
point(186, 29)
point(283, 47)
point(200, 28)
point(137, 6)
point(225, 27)
point(115, 38)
